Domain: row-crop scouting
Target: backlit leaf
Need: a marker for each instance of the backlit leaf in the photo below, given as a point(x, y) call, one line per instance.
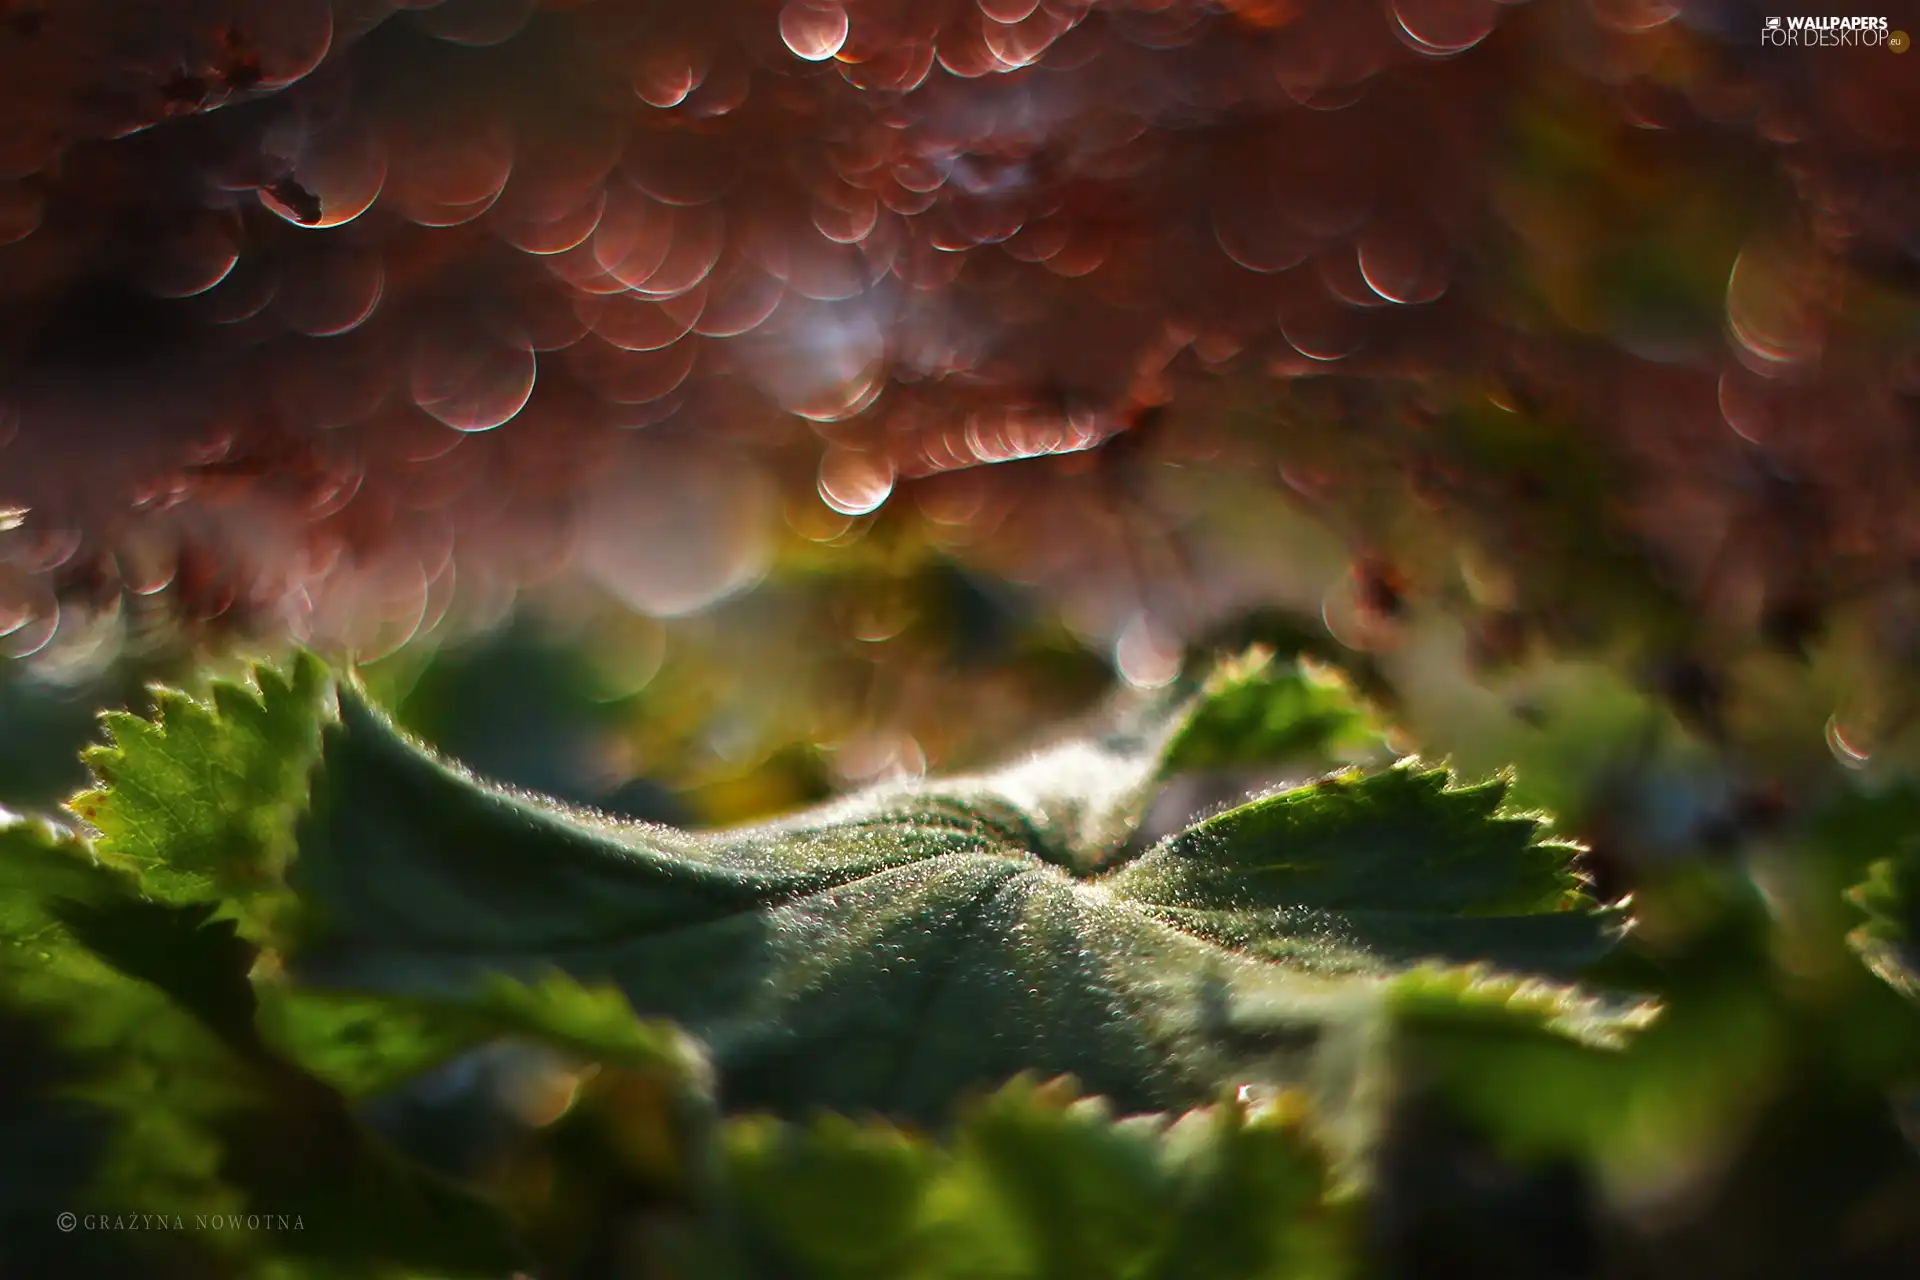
point(202, 797)
point(890, 952)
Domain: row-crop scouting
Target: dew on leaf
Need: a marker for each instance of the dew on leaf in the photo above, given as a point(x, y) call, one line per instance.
point(470, 379)
point(341, 167)
point(557, 234)
point(1773, 308)
point(1441, 28)
point(22, 207)
point(1848, 746)
point(1400, 264)
point(332, 292)
point(664, 77)
point(855, 483)
point(476, 23)
point(444, 171)
point(671, 532)
point(813, 31)
point(195, 257)
point(1146, 655)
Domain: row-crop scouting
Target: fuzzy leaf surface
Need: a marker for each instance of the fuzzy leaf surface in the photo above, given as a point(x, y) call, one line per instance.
point(891, 952)
point(1369, 870)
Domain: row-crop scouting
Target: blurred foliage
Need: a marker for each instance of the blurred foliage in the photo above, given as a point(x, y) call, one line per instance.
point(161, 980)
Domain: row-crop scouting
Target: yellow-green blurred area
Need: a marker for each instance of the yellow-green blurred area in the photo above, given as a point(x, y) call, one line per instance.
point(881, 653)
point(838, 677)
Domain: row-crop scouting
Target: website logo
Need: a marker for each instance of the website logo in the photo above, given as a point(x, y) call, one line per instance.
point(1832, 33)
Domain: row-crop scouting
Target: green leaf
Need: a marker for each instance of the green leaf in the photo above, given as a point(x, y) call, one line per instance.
point(203, 797)
point(199, 962)
point(41, 863)
point(1038, 1182)
point(1885, 942)
point(364, 1043)
point(839, 1197)
point(890, 952)
point(148, 1070)
point(1885, 829)
point(1257, 711)
point(1374, 870)
point(152, 1004)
